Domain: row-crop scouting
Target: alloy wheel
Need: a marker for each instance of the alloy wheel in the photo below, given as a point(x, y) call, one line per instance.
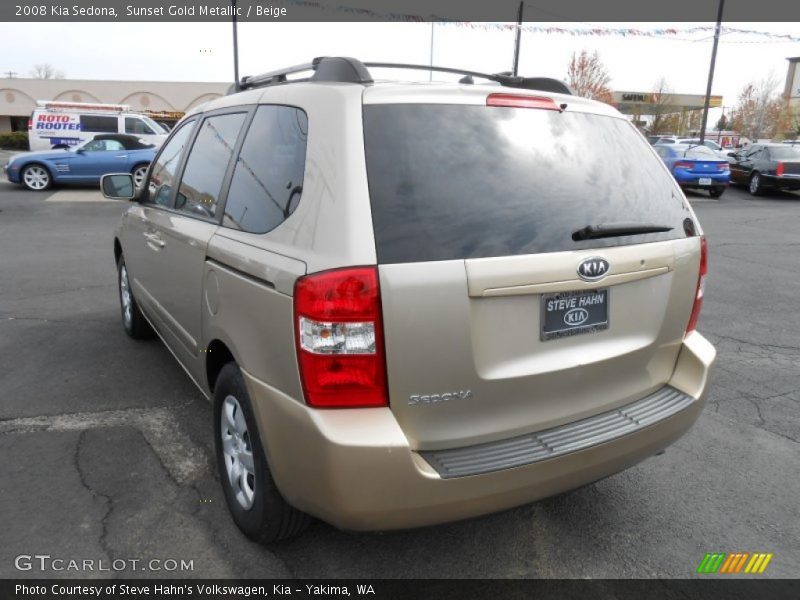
point(36, 177)
point(238, 452)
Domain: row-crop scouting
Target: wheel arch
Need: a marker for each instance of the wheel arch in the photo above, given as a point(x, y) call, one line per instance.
point(218, 354)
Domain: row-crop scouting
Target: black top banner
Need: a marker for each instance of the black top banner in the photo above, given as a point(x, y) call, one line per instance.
point(588, 11)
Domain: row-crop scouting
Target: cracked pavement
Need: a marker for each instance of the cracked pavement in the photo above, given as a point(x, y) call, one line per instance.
point(107, 448)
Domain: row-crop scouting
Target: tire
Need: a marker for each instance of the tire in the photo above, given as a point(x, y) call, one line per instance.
point(133, 321)
point(139, 173)
point(755, 188)
point(255, 503)
point(36, 177)
point(716, 192)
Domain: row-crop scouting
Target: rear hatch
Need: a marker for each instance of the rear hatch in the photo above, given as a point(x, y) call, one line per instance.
point(483, 216)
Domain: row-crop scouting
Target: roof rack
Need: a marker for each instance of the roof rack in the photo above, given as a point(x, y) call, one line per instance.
point(350, 70)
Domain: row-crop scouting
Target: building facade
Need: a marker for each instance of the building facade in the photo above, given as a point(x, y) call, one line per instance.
point(18, 96)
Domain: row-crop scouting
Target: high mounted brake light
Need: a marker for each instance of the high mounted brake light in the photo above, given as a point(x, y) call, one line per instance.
point(339, 334)
point(701, 284)
point(520, 101)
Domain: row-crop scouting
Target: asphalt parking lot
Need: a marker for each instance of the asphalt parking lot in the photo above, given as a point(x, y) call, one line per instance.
point(107, 447)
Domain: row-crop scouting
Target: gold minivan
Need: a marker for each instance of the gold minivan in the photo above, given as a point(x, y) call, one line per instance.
point(416, 303)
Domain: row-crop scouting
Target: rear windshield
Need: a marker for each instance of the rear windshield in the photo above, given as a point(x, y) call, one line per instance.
point(454, 182)
point(791, 153)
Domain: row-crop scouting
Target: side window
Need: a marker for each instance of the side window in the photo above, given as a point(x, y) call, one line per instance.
point(207, 163)
point(137, 126)
point(268, 179)
point(97, 124)
point(163, 171)
point(754, 153)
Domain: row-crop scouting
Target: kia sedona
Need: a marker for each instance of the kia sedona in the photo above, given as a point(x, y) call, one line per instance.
point(416, 303)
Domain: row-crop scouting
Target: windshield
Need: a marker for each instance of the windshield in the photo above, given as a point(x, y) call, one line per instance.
point(699, 152)
point(158, 129)
point(788, 152)
point(454, 182)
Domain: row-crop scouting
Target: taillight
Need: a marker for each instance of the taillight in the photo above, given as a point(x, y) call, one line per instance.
point(723, 167)
point(684, 165)
point(519, 101)
point(339, 333)
point(30, 124)
point(701, 284)
point(780, 169)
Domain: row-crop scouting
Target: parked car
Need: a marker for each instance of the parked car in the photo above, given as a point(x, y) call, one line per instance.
point(696, 167)
point(86, 163)
point(764, 167)
point(405, 306)
point(55, 125)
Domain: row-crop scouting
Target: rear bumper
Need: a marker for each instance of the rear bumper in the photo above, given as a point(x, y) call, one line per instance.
point(786, 182)
point(717, 181)
point(355, 469)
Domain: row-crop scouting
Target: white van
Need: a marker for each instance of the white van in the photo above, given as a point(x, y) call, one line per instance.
point(63, 124)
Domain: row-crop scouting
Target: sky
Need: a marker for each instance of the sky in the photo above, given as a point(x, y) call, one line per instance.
point(203, 51)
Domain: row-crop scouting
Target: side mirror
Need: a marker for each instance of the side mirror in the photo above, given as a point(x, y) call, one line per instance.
point(118, 186)
point(80, 151)
point(732, 154)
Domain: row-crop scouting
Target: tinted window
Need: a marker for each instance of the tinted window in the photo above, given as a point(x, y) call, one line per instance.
point(268, 179)
point(787, 153)
point(163, 171)
point(98, 124)
point(207, 164)
point(453, 182)
point(137, 126)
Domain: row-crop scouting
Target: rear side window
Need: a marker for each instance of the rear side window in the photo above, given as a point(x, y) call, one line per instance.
point(268, 179)
point(455, 182)
point(207, 163)
point(163, 172)
point(98, 124)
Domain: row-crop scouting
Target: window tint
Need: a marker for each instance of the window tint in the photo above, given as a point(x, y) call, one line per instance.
point(163, 171)
point(268, 179)
point(98, 124)
point(137, 126)
point(207, 164)
point(453, 182)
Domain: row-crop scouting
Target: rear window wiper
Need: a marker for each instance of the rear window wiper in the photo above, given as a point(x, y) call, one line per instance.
point(604, 230)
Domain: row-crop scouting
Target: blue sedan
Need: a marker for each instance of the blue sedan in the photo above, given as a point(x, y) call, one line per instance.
point(696, 167)
point(85, 163)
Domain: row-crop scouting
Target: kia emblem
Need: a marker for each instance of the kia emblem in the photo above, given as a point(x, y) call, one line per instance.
point(592, 269)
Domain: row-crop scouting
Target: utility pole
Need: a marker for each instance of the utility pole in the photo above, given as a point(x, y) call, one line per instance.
point(235, 49)
point(517, 41)
point(10, 74)
point(430, 73)
point(711, 72)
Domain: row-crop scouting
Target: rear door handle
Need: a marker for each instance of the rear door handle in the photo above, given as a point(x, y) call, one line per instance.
point(154, 240)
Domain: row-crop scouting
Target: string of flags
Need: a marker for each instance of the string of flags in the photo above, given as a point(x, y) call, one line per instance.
point(591, 30)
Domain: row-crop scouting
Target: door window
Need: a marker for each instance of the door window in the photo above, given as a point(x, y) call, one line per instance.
point(268, 179)
point(103, 146)
point(207, 164)
point(163, 171)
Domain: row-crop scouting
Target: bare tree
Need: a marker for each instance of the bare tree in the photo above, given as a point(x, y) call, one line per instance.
point(46, 71)
point(760, 111)
point(589, 78)
point(663, 120)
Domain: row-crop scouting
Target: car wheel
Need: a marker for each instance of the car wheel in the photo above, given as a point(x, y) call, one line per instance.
point(36, 178)
point(133, 320)
point(139, 173)
point(716, 192)
point(755, 184)
point(255, 503)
